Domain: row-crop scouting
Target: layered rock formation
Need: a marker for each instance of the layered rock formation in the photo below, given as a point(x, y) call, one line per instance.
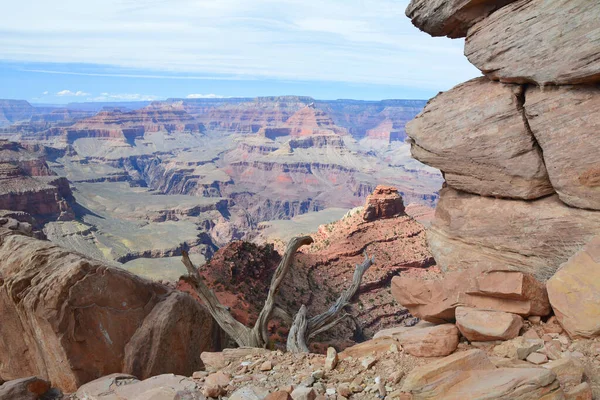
point(384, 202)
point(70, 320)
point(27, 184)
point(526, 154)
point(12, 111)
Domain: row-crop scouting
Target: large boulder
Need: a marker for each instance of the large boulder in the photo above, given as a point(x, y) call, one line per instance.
point(30, 388)
point(471, 375)
point(574, 292)
point(538, 41)
point(501, 290)
point(70, 319)
point(532, 236)
point(451, 18)
point(566, 123)
point(476, 135)
point(429, 341)
point(484, 325)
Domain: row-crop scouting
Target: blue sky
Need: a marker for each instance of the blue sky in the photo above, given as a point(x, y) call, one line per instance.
point(121, 50)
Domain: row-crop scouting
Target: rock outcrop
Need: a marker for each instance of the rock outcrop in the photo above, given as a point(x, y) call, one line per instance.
point(436, 300)
point(451, 18)
point(27, 184)
point(532, 236)
point(574, 292)
point(70, 320)
point(565, 123)
point(479, 325)
point(475, 134)
point(528, 41)
point(384, 202)
point(526, 153)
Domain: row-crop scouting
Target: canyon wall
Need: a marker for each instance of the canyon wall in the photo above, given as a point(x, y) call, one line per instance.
point(519, 157)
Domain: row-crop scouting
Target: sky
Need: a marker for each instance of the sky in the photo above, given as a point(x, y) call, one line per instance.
point(65, 51)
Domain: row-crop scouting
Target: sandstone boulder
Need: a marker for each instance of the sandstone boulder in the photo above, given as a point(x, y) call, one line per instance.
point(436, 300)
point(483, 325)
point(518, 348)
point(384, 202)
point(434, 341)
point(532, 236)
point(476, 135)
point(568, 371)
point(127, 387)
point(30, 388)
point(60, 307)
point(574, 292)
point(539, 41)
point(565, 122)
point(471, 375)
point(450, 18)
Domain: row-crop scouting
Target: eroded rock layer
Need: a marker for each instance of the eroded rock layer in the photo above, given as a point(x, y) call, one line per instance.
point(71, 320)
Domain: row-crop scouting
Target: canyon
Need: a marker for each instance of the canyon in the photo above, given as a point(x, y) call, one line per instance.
point(135, 184)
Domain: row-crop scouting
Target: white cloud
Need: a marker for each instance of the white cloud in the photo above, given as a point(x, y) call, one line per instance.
point(124, 97)
point(369, 42)
point(45, 93)
point(203, 96)
point(66, 92)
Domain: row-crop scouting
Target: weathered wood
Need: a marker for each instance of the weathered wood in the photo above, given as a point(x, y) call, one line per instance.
point(302, 330)
point(241, 334)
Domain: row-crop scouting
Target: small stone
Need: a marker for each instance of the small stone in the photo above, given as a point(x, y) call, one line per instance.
point(396, 377)
point(356, 385)
point(279, 395)
point(343, 389)
point(537, 358)
point(519, 348)
point(213, 391)
point(308, 382)
point(368, 362)
point(319, 388)
point(534, 319)
point(217, 379)
point(287, 388)
point(199, 375)
point(330, 391)
point(318, 374)
point(331, 360)
point(531, 334)
point(304, 393)
point(552, 326)
point(266, 366)
point(553, 349)
point(564, 340)
point(380, 387)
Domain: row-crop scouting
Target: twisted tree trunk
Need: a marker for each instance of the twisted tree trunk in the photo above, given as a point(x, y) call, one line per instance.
point(244, 336)
point(303, 330)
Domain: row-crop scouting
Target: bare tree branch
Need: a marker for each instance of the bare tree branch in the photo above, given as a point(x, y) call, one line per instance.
point(260, 327)
point(327, 320)
point(235, 329)
point(243, 335)
point(296, 342)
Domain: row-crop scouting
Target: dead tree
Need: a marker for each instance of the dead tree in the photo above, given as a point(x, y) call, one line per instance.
point(302, 329)
point(244, 336)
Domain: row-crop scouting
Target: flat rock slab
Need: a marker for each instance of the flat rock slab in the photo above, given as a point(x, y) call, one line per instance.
point(471, 375)
point(566, 124)
point(476, 135)
point(434, 341)
point(485, 325)
point(469, 231)
point(574, 292)
point(451, 18)
point(539, 41)
point(501, 290)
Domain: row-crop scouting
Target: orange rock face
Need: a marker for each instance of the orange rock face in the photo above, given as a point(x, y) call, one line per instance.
point(436, 300)
point(384, 202)
point(69, 319)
